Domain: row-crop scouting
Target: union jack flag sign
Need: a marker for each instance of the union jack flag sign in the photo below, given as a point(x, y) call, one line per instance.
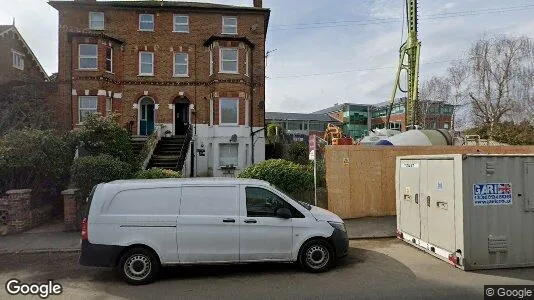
point(492, 194)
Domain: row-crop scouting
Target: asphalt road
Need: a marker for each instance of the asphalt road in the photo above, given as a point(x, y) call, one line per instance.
point(384, 269)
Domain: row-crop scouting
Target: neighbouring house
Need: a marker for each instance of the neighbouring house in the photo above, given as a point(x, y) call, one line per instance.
point(358, 119)
point(190, 68)
point(18, 64)
point(299, 126)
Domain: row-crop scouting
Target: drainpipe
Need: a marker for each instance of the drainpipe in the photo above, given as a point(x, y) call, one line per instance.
point(71, 84)
point(251, 108)
point(194, 159)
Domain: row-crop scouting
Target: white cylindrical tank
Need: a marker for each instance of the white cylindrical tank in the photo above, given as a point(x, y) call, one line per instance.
point(419, 138)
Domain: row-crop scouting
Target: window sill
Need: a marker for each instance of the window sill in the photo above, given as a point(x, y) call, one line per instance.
point(22, 69)
point(180, 76)
point(227, 72)
point(180, 31)
point(145, 75)
point(229, 33)
point(89, 70)
point(228, 125)
point(110, 72)
point(145, 30)
point(97, 29)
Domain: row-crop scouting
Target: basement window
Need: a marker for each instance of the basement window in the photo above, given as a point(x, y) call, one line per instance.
point(228, 154)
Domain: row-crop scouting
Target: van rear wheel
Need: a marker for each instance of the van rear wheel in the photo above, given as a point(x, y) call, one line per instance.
point(316, 256)
point(138, 266)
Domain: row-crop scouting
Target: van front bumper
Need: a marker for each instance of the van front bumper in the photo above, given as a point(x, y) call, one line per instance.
point(340, 240)
point(97, 255)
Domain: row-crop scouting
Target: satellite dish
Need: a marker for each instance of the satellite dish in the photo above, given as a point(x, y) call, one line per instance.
point(233, 139)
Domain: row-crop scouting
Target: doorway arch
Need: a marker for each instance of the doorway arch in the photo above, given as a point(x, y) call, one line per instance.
point(182, 116)
point(146, 116)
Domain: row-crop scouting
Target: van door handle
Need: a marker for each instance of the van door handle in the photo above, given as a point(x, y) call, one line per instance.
point(416, 198)
point(251, 221)
point(228, 220)
point(428, 201)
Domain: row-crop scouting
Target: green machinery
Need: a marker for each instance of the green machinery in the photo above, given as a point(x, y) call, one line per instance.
point(409, 61)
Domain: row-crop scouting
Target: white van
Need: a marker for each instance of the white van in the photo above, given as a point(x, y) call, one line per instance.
point(139, 225)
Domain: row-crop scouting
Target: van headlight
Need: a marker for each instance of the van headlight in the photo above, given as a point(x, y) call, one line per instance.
point(336, 225)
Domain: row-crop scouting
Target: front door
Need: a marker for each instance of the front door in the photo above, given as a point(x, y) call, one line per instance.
point(208, 227)
point(263, 236)
point(146, 121)
point(181, 118)
point(409, 185)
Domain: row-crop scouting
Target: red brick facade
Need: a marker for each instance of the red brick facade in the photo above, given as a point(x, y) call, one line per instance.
point(126, 86)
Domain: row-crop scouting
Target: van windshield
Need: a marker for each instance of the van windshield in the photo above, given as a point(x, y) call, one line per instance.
point(302, 203)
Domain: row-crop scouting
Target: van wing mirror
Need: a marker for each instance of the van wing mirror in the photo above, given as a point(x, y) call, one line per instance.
point(283, 213)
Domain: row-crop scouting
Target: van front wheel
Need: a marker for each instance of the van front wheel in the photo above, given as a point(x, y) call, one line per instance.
point(316, 256)
point(138, 266)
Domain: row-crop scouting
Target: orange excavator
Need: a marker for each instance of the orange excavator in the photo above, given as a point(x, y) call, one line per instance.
point(334, 136)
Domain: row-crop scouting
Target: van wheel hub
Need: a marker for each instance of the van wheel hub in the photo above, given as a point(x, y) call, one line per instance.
point(317, 256)
point(137, 267)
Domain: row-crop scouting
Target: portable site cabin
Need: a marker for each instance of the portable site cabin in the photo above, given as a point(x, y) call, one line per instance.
point(474, 211)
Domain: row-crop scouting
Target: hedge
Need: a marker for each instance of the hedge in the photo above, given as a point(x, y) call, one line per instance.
point(36, 159)
point(154, 173)
point(89, 171)
point(285, 175)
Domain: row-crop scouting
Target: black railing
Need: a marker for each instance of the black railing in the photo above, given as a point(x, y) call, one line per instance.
point(185, 147)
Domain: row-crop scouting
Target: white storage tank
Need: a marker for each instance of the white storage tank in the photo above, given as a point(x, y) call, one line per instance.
point(474, 211)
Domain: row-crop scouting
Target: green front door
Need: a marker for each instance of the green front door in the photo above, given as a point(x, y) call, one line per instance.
point(146, 121)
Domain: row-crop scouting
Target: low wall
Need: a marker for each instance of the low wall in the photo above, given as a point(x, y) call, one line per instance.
point(16, 213)
point(361, 180)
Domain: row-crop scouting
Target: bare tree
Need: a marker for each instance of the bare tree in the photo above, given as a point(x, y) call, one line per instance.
point(458, 82)
point(433, 93)
point(495, 67)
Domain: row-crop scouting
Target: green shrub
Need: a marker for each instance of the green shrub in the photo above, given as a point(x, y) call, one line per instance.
point(286, 175)
point(154, 173)
point(36, 159)
point(89, 171)
point(297, 152)
point(103, 135)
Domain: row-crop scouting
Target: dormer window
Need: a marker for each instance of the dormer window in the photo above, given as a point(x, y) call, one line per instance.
point(229, 25)
point(96, 20)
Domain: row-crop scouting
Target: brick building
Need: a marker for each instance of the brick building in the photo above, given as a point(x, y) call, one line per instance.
point(18, 64)
point(179, 65)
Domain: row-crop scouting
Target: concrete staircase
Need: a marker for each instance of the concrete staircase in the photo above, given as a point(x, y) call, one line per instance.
point(170, 153)
point(138, 142)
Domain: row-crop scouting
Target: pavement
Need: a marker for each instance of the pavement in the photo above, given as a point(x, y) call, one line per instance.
point(374, 269)
point(51, 237)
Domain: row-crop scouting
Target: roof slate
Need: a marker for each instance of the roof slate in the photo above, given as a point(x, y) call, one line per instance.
point(160, 4)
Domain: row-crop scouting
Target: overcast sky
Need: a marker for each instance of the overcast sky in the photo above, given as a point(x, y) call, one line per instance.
point(331, 51)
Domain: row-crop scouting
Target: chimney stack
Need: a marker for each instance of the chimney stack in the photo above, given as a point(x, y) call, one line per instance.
point(258, 3)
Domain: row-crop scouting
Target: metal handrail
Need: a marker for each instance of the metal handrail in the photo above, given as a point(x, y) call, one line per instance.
point(185, 144)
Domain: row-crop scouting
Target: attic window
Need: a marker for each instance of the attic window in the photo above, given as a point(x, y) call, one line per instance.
point(229, 25)
point(18, 60)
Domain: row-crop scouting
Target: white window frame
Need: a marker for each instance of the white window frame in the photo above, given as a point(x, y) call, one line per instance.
point(18, 60)
point(174, 23)
point(186, 65)
point(221, 60)
point(247, 61)
point(211, 61)
point(80, 56)
point(140, 62)
point(234, 32)
point(91, 14)
point(153, 22)
point(110, 60)
point(237, 153)
point(109, 106)
point(220, 112)
point(94, 110)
